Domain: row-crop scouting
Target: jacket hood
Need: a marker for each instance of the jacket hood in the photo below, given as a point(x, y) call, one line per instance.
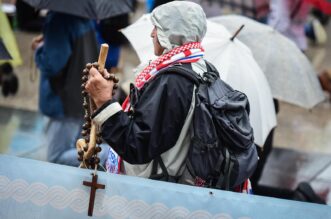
point(178, 23)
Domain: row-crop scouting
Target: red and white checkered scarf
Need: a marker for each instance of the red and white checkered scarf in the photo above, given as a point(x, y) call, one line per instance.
point(188, 53)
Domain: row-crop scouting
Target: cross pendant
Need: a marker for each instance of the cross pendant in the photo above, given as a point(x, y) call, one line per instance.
point(94, 186)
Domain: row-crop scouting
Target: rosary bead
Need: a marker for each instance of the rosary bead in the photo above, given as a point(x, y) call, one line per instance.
point(86, 125)
point(115, 86)
point(83, 86)
point(99, 141)
point(102, 73)
point(84, 78)
point(110, 77)
point(91, 160)
point(95, 65)
point(85, 105)
point(88, 65)
point(80, 152)
point(85, 148)
point(87, 163)
point(84, 133)
point(96, 160)
point(116, 80)
point(79, 158)
point(84, 93)
point(85, 71)
point(98, 149)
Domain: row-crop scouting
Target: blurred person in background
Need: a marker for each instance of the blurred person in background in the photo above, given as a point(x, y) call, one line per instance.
point(151, 4)
point(108, 32)
point(68, 42)
point(211, 8)
point(291, 18)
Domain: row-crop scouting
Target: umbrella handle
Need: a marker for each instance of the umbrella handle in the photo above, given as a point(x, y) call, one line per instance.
point(237, 32)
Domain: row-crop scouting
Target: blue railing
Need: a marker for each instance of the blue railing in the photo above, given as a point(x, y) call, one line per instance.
point(35, 189)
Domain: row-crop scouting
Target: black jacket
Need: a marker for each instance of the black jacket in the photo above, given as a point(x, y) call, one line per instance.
point(156, 122)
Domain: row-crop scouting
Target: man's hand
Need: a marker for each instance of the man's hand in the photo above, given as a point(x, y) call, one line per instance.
point(98, 87)
point(37, 41)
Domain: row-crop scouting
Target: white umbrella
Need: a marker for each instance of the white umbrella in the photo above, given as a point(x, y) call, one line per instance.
point(238, 68)
point(139, 35)
point(233, 60)
point(290, 74)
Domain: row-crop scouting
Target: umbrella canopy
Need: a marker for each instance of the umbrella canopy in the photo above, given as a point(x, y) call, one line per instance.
point(290, 74)
point(139, 36)
point(233, 60)
point(93, 9)
point(4, 54)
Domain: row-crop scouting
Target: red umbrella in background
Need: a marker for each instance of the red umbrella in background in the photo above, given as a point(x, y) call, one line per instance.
point(323, 5)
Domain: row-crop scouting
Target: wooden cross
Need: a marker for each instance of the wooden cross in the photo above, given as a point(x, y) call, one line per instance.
point(94, 186)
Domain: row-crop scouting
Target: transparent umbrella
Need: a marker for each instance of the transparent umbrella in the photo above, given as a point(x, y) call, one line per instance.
point(233, 60)
point(290, 74)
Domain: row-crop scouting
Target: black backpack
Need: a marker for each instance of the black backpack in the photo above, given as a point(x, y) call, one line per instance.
point(222, 153)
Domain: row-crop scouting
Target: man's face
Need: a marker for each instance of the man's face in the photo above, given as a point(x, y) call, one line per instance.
point(158, 49)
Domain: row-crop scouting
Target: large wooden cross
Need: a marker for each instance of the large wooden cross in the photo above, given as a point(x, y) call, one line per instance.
point(94, 186)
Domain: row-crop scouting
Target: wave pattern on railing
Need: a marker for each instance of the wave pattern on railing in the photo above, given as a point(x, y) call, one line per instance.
point(77, 199)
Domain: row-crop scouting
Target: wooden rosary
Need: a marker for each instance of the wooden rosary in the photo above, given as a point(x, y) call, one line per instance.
point(88, 147)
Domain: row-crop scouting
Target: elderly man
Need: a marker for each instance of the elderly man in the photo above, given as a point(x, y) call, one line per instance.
point(152, 130)
point(157, 121)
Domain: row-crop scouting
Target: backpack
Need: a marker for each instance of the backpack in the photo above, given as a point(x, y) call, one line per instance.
point(222, 153)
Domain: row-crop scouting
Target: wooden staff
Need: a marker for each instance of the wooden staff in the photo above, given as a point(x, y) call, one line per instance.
point(81, 143)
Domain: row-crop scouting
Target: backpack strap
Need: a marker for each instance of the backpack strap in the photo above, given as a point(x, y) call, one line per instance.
point(186, 71)
point(210, 67)
point(183, 70)
point(162, 176)
point(222, 179)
